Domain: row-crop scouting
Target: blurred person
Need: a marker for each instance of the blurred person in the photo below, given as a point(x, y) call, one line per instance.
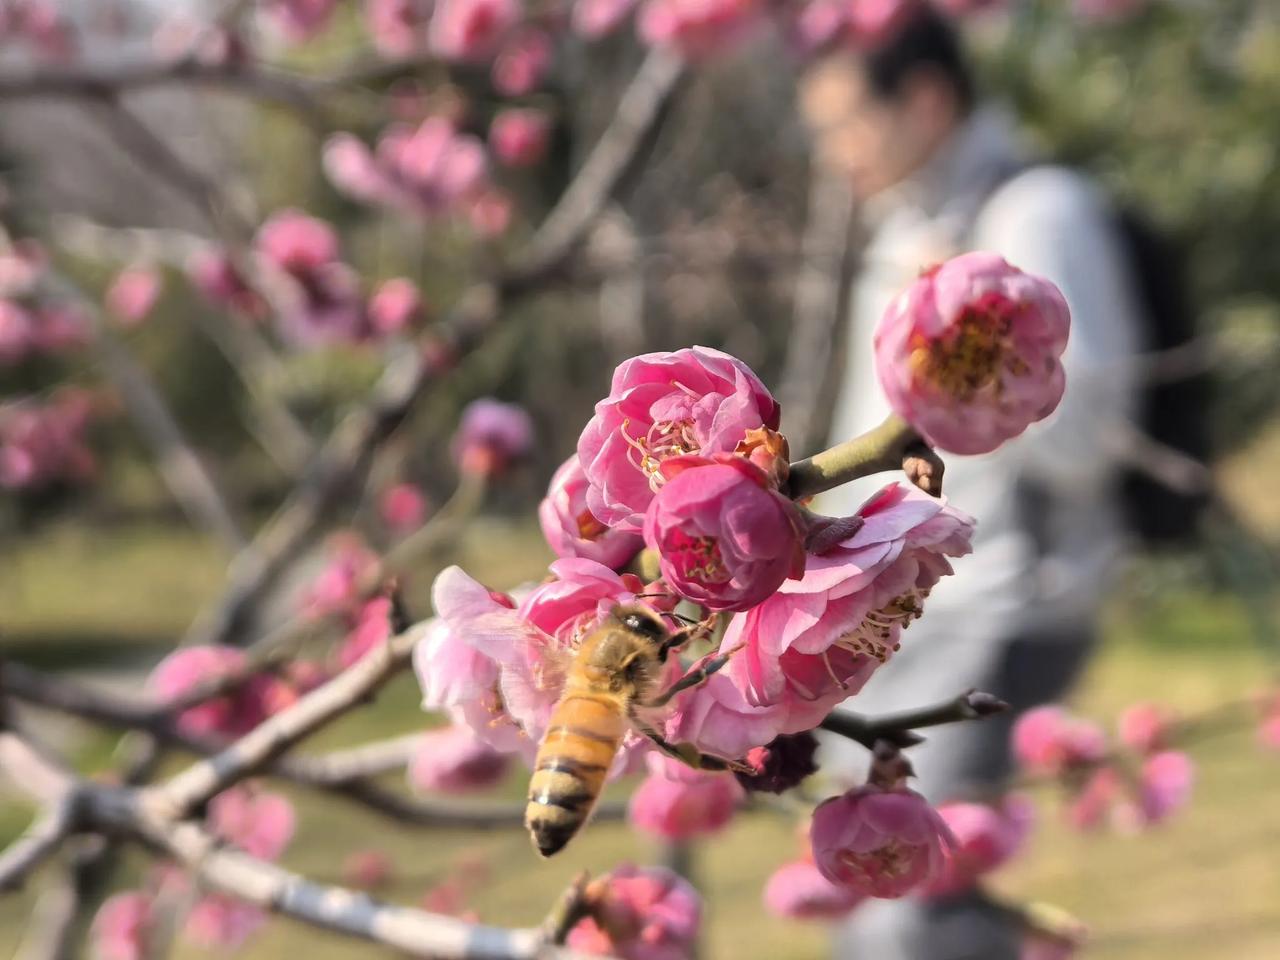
point(939, 172)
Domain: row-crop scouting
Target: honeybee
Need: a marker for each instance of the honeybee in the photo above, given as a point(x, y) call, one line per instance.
point(614, 671)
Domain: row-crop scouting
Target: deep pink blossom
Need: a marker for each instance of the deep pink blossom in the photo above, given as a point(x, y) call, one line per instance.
point(799, 891)
point(594, 19)
point(398, 27)
point(1048, 740)
point(986, 837)
point(698, 28)
point(1164, 785)
point(123, 926)
point(298, 20)
point(717, 719)
point(231, 715)
point(470, 30)
point(336, 589)
point(645, 913)
point(296, 243)
point(724, 538)
point(872, 22)
point(970, 354)
point(570, 527)
point(663, 405)
point(818, 639)
point(428, 170)
point(676, 803)
point(1146, 727)
point(882, 843)
point(221, 922)
point(519, 136)
point(454, 760)
point(522, 63)
point(371, 630)
point(491, 436)
point(258, 822)
point(133, 294)
point(42, 441)
point(394, 306)
point(403, 507)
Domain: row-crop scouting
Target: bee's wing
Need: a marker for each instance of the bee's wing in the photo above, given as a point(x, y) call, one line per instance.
point(532, 681)
point(498, 634)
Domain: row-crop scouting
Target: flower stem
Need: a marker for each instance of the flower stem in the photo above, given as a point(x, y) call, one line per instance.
point(893, 445)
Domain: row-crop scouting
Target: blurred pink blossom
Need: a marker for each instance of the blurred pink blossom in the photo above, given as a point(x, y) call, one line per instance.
point(21, 267)
point(42, 441)
point(471, 30)
point(663, 405)
point(724, 538)
point(371, 631)
point(1164, 785)
point(571, 529)
point(677, 803)
point(799, 891)
point(519, 136)
point(818, 639)
point(133, 294)
point(491, 436)
point(220, 922)
point(336, 589)
point(698, 28)
point(454, 760)
point(872, 22)
point(523, 62)
point(403, 507)
point(394, 306)
point(398, 27)
point(220, 282)
point(986, 837)
point(882, 843)
point(258, 822)
point(594, 19)
point(41, 24)
point(231, 715)
point(296, 243)
point(645, 913)
point(970, 354)
point(717, 719)
point(1047, 740)
point(1146, 727)
point(490, 212)
point(17, 333)
point(122, 927)
point(298, 20)
point(60, 327)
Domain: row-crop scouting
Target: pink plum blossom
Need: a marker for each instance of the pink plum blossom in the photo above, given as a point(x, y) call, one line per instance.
point(594, 19)
point(1145, 727)
point(717, 719)
point(298, 20)
point(60, 327)
point(220, 922)
point(42, 441)
point(986, 837)
point(570, 527)
point(522, 63)
point(296, 243)
point(642, 913)
point(394, 306)
point(470, 30)
point(1164, 785)
point(677, 803)
point(398, 27)
point(428, 170)
point(819, 638)
point(872, 22)
point(403, 507)
point(336, 590)
point(799, 891)
point(491, 436)
point(122, 927)
point(133, 294)
point(519, 136)
point(40, 24)
point(231, 715)
point(698, 28)
point(1047, 740)
point(970, 354)
point(371, 630)
point(258, 822)
point(216, 277)
point(662, 405)
point(454, 760)
point(882, 843)
point(724, 538)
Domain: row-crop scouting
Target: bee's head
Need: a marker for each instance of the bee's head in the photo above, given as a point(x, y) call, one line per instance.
point(642, 621)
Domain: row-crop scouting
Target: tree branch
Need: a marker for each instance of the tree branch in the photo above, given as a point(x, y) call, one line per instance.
point(893, 445)
point(40, 841)
point(898, 728)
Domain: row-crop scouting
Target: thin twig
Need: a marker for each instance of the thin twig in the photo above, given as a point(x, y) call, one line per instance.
point(38, 843)
point(898, 728)
point(893, 445)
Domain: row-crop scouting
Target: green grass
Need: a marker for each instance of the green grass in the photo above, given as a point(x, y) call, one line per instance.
point(1204, 886)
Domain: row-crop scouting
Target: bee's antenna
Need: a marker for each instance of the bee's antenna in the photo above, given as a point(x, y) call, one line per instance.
point(683, 619)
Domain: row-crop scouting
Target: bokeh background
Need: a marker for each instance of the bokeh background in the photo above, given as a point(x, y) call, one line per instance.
point(1175, 106)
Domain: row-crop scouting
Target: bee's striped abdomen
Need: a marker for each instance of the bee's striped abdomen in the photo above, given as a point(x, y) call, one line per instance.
point(568, 774)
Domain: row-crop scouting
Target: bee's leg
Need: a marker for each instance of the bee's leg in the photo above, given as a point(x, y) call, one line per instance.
point(687, 753)
point(694, 678)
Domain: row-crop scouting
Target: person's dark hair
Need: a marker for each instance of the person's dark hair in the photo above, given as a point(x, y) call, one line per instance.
point(925, 40)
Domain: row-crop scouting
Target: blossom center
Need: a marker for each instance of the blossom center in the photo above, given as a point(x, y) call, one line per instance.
point(877, 635)
point(589, 528)
point(698, 557)
point(891, 861)
point(973, 353)
point(663, 440)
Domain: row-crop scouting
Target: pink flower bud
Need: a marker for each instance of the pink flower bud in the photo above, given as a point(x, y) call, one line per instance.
point(258, 822)
point(491, 437)
point(336, 590)
point(970, 354)
point(642, 913)
point(133, 294)
point(403, 508)
point(677, 803)
point(373, 627)
point(799, 891)
point(1165, 785)
point(522, 63)
point(122, 927)
point(986, 838)
point(725, 539)
point(780, 765)
point(882, 843)
point(519, 136)
point(1146, 727)
point(571, 529)
point(698, 28)
point(453, 760)
point(230, 715)
point(296, 243)
point(394, 306)
point(664, 405)
point(1047, 740)
point(470, 30)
